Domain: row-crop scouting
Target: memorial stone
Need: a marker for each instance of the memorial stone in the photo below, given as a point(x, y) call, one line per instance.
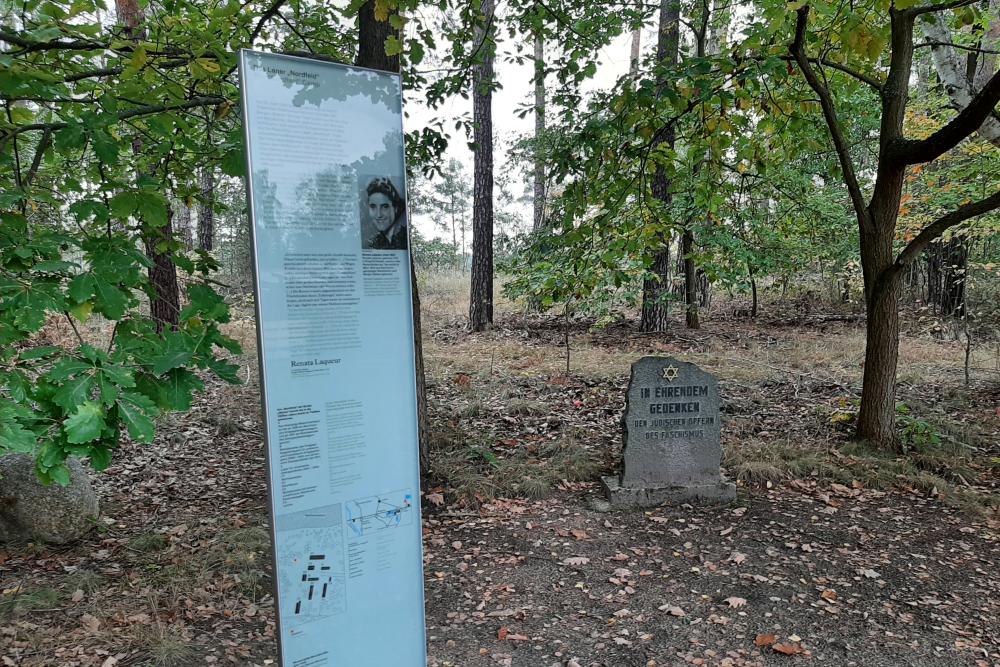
point(671, 426)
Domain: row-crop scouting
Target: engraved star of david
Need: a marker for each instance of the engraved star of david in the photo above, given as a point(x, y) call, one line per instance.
point(670, 373)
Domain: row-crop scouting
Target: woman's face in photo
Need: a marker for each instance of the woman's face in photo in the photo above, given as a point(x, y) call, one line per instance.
point(381, 211)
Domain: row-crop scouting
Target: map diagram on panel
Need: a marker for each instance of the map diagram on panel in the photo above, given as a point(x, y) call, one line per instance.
point(382, 512)
point(310, 554)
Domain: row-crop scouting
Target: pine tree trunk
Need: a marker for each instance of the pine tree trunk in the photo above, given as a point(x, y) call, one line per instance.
point(656, 286)
point(371, 54)
point(164, 305)
point(481, 293)
point(206, 217)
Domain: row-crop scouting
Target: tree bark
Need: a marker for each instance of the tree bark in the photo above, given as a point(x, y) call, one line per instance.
point(164, 303)
point(690, 280)
point(481, 292)
point(951, 68)
point(166, 306)
point(877, 415)
point(206, 216)
point(539, 194)
point(656, 285)
point(371, 54)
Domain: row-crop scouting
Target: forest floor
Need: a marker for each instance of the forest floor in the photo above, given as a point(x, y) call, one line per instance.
point(831, 554)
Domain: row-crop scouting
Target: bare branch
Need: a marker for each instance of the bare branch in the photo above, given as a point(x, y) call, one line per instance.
point(968, 120)
point(798, 51)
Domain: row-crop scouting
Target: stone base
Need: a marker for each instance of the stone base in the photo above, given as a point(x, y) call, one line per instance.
point(625, 496)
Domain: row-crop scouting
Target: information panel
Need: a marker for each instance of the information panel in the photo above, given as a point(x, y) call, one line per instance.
point(327, 197)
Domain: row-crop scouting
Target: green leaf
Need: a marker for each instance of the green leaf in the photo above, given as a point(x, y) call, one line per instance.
point(16, 438)
point(205, 302)
point(74, 392)
point(111, 301)
point(81, 288)
point(64, 368)
point(177, 351)
point(39, 352)
point(234, 163)
point(136, 410)
point(85, 424)
point(177, 389)
point(58, 474)
point(100, 457)
point(82, 311)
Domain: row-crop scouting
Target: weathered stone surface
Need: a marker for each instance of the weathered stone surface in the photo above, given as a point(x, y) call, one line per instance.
point(30, 511)
point(672, 449)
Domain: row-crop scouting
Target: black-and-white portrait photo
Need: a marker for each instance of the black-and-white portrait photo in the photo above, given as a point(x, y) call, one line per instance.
point(383, 214)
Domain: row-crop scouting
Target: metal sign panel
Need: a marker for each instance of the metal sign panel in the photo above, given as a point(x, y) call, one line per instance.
point(327, 199)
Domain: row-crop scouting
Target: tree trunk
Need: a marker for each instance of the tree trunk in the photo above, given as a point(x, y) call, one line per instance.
point(636, 53)
point(185, 235)
point(656, 286)
point(877, 416)
point(539, 195)
point(371, 53)
point(481, 293)
point(206, 218)
point(690, 280)
point(164, 304)
point(947, 262)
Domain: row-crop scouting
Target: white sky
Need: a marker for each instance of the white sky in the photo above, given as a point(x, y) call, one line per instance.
point(516, 90)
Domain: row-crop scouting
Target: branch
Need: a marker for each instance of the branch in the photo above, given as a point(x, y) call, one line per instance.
point(264, 18)
point(798, 51)
point(29, 46)
point(912, 151)
point(43, 145)
point(863, 78)
point(193, 103)
point(937, 228)
point(928, 9)
point(964, 47)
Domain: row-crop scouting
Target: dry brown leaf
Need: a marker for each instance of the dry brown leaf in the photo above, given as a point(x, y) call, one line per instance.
point(503, 632)
point(787, 649)
point(829, 594)
point(765, 639)
point(734, 602)
point(576, 561)
point(435, 498)
point(91, 623)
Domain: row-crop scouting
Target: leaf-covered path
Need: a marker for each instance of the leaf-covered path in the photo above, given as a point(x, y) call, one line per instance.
point(807, 571)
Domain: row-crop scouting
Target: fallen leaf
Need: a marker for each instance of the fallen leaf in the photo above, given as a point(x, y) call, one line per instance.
point(672, 610)
point(828, 594)
point(435, 498)
point(502, 632)
point(765, 639)
point(787, 649)
point(77, 595)
point(576, 561)
point(734, 602)
point(91, 623)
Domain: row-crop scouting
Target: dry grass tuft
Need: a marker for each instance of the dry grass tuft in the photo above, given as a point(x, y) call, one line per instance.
point(475, 474)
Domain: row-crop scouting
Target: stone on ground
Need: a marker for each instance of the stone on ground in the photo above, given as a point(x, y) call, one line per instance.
point(31, 511)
